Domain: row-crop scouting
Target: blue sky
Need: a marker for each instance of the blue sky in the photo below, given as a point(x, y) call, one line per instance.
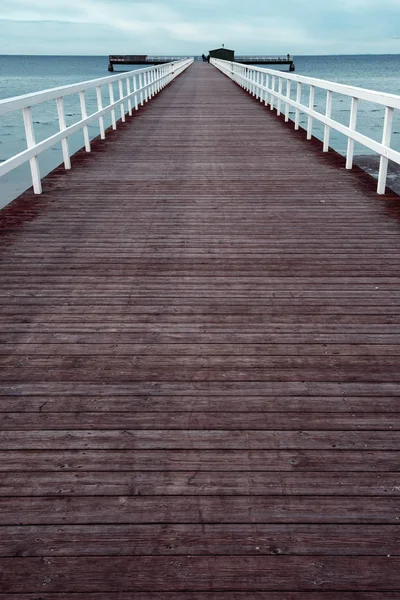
point(102, 27)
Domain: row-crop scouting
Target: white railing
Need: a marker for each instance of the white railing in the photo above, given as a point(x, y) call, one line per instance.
point(277, 59)
point(134, 88)
point(271, 86)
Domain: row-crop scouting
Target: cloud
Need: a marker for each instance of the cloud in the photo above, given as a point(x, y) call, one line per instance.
point(191, 26)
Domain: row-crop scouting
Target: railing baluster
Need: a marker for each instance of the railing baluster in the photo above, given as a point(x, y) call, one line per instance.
point(280, 88)
point(141, 90)
point(328, 114)
point(352, 125)
point(311, 107)
point(121, 95)
point(135, 87)
point(298, 101)
point(86, 137)
point(112, 100)
point(386, 139)
point(129, 91)
point(146, 91)
point(63, 127)
point(272, 92)
point(262, 83)
point(100, 107)
point(31, 142)
point(267, 92)
point(288, 90)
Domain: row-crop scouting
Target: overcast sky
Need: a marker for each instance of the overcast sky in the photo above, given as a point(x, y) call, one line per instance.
point(102, 27)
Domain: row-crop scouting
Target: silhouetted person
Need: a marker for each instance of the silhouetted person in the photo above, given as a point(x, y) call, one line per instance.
point(208, 58)
point(203, 56)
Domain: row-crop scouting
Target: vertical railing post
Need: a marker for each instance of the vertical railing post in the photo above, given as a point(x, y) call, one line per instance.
point(272, 92)
point(267, 91)
point(112, 100)
point(328, 114)
point(31, 142)
point(288, 90)
point(311, 107)
point(63, 127)
point(386, 139)
point(262, 92)
point(280, 88)
point(135, 97)
point(84, 116)
point(100, 107)
point(129, 92)
point(298, 101)
point(352, 125)
point(121, 95)
point(146, 91)
point(141, 88)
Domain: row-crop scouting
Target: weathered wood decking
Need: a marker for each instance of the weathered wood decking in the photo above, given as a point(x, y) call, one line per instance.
point(200, 366)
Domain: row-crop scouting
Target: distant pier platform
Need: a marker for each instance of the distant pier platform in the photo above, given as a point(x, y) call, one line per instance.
point(267, 60)
point(140, 59)
point(144, 59)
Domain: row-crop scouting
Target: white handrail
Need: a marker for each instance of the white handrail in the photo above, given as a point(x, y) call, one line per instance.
point(146, 83)
point(267, 86)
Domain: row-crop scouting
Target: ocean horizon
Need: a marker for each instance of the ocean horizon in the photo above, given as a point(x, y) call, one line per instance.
point(23, 74)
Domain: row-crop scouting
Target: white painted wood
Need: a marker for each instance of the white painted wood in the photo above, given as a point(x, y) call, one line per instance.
point(352, 126)
point(112, 101)
point(328, 114)
point(280, 89)
point(267, 89)
point(135, 94)
point(84, 114)
point(129, 93)
point(31, 143)
point(141, 75)
point(288, 90)
point(63, 127)
point(121, 96)
point(298, 101)
point(100, 108)
point(146, 88)
point(272, 92)
point(386, 140)
point(311, 106)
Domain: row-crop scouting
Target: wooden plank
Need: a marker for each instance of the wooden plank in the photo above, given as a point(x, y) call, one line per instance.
point(279, 429)
point(195, 509)
point(200, 483)
point(204, 388)
point(155, 573)
point(231, 595)
point(200, 540)
point(335, 407)
point(242, 438)
point(199, 460)
point(110, 372)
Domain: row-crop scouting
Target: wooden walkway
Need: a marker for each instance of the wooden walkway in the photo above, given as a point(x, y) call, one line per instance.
point(200, 366)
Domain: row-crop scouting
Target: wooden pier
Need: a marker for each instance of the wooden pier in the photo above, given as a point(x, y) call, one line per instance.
point(200, 378)
point(139, 59)
point(267, 60)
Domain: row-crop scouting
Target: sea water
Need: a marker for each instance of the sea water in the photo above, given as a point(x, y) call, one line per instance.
point(25, 74)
